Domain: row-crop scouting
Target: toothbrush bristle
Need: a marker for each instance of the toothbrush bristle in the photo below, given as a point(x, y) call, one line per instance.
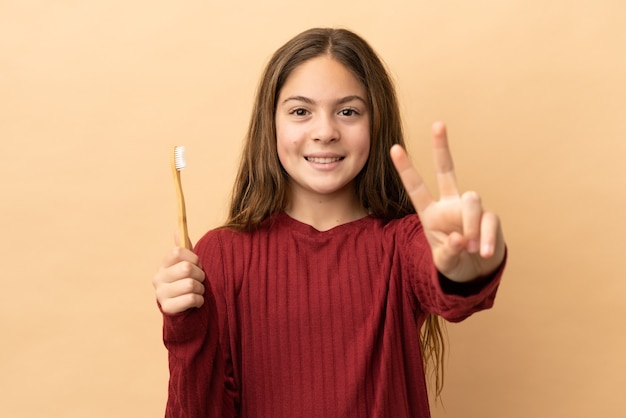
point(179, 158)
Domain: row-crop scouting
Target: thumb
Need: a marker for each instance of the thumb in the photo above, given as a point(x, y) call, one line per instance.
point(177, 242)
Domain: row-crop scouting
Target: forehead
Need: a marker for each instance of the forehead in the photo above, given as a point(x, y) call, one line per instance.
point(322, 76)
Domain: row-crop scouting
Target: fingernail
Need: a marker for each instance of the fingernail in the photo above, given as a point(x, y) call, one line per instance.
point(486, 250)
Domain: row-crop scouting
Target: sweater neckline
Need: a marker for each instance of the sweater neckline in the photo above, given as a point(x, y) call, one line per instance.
point(303, 227)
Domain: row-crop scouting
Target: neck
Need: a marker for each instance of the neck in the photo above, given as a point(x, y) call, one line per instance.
point(324, 213)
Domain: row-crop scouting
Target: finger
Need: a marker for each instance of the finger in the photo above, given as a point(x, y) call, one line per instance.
point(471, 214)
point(188, 245)
point(444, 167)
point(179, 271)
point(179, 288)
point(489, 230)
point(178, 254)
point(181, 303)
point(187, 270)
point(447, 258)
point(412, 181)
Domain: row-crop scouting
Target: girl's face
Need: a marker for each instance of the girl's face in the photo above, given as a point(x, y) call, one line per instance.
point(322, 128)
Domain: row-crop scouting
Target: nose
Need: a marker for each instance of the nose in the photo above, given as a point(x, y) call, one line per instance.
point(325, 129)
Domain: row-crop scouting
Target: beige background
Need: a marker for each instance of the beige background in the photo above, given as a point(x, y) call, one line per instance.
point(94, 93)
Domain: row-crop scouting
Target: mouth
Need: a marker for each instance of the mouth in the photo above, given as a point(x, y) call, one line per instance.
point(323, 160)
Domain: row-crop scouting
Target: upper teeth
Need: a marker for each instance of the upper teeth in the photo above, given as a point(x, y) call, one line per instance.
point(323, 160)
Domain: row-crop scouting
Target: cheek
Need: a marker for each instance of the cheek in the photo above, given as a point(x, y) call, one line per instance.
point(285, 146)
point(365, 152)
point(366, 144)
point(287, 138)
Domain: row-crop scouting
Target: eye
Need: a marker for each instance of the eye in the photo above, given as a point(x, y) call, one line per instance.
point(348, 112)
point(300, 111)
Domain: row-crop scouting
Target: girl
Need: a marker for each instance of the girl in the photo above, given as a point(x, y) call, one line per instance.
point(309, 301)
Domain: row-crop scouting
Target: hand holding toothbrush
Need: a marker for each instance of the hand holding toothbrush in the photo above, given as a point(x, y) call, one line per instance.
point(179, 282)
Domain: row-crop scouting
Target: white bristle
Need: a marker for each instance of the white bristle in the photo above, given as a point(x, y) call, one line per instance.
point(179, 158)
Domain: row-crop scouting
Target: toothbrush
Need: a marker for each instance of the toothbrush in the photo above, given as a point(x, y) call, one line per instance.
point(178, 164)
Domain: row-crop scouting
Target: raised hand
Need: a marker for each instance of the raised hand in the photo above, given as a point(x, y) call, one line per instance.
point(466, 241)
point(179, 282)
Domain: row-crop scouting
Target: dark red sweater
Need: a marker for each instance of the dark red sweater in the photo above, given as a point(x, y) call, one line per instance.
point(303, 323)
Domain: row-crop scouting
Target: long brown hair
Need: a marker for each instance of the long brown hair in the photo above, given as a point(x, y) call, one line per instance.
point(261, 184)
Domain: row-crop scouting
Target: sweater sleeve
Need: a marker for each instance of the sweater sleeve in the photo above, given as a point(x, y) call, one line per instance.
point(197, 376)
point(435, 293)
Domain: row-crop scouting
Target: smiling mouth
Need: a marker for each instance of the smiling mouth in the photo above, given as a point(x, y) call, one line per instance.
point(323, 160)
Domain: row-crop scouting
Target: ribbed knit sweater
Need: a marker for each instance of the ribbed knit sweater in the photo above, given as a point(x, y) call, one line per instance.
point(305, 323)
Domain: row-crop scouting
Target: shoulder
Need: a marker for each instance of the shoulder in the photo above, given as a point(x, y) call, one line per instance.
point(224, 238)
point(217, 238)
point(412, 221)
point(407, 226)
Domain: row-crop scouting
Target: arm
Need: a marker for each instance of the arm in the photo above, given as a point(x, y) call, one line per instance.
point(433, 292)
point(191, 336)
point(462, 242)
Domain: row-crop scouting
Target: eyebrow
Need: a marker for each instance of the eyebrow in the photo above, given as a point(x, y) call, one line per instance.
point(341, 101)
